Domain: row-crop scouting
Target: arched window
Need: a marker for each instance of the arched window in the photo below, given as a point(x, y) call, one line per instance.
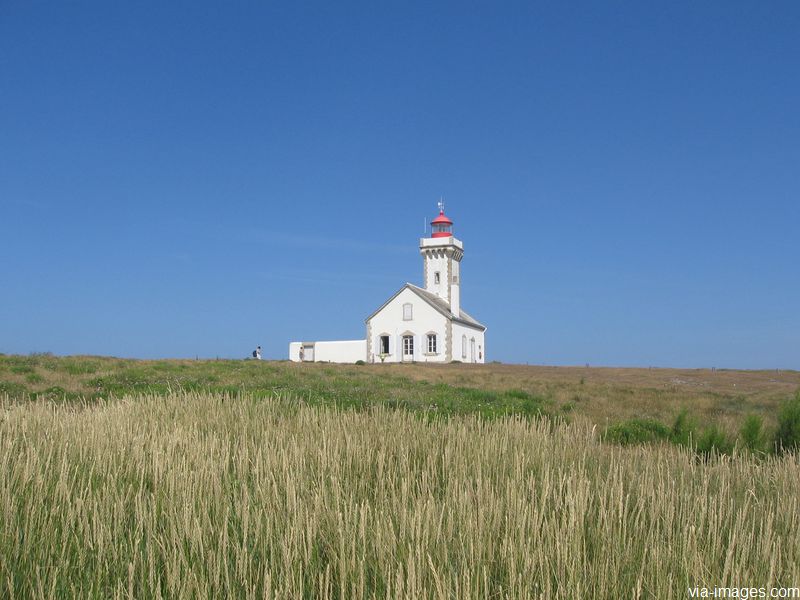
point(463, 346)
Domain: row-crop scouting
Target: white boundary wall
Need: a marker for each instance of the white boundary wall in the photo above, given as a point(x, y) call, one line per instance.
point(345, 351)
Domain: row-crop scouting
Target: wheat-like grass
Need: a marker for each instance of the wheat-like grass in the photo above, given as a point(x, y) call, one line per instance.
point(205, 496)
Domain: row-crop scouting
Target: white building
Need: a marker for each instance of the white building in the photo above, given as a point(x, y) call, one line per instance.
point(416, 324)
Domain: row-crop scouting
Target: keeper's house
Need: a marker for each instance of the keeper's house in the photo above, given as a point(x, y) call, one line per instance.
point(417, 324)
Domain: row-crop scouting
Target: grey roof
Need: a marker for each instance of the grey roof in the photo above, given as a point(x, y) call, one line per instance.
point(436, 302)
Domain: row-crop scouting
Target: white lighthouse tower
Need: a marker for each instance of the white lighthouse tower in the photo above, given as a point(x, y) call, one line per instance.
point(441, 258)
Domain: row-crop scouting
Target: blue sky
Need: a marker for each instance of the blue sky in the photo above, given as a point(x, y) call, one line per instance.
point(192, 179)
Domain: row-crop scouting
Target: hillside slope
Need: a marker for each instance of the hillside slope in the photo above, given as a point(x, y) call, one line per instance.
point(601, 395)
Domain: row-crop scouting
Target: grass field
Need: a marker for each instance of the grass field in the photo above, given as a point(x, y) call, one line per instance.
point(201, 479)
point(203, 495)
point(599, 395)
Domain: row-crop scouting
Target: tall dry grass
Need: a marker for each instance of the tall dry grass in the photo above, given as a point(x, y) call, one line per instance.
point(201, 496)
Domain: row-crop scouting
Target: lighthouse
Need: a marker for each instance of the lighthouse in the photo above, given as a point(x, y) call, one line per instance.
point(441, 260)
point(417, 323)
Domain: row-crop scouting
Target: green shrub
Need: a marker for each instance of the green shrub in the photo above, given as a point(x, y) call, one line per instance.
point(81, 367)
point(14, 390)
point(787, 437)
point(637, 431)
point(34, 378)
point(518, 394)
point(713, 441)
point(683, 429)
point(360, 362)
point(752, 434)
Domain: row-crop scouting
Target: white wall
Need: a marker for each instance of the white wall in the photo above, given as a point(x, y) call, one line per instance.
point(437, 264)
point(348, 351)
point(464, 352)
point(294, 351)
point(345, 351)
point(425, 319)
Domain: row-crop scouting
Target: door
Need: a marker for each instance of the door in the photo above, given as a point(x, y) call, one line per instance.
point(308, 353)
point(408, 347)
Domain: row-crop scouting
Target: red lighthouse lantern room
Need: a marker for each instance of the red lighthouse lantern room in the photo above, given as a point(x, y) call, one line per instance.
point(441, 226)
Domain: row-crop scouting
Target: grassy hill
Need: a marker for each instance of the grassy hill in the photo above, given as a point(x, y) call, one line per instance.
point(245, 479)
point(603, 396)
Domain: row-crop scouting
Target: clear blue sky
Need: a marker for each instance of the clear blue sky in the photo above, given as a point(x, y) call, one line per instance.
point(192, 179)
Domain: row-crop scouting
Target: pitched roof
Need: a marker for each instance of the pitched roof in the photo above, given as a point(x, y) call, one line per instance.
point(437, 303)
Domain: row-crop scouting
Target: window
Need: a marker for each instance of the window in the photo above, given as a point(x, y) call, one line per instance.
point(407, 314)
point(436, 278)
point(431, 343)
point(384, 344)
point(463, 346)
